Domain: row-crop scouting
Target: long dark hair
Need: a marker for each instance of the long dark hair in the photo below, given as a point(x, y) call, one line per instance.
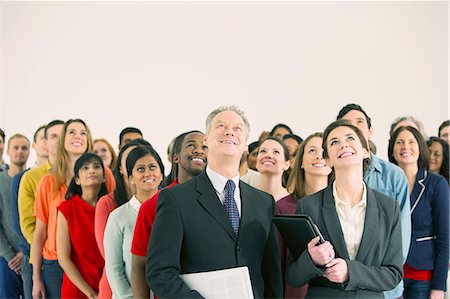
point(121, 195)
point(74, 188)
point(423, 161)
point(139, 152)
point(444, 170)
point(344, 123)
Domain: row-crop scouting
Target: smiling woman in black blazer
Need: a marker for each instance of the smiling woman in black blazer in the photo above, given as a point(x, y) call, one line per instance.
point(363, 256)
point(427, 263)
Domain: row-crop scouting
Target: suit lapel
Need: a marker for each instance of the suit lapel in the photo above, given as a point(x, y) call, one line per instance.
point(370, 226)
point(418, 189)
point(332, 224)
point(209, 200)
point(246, 207)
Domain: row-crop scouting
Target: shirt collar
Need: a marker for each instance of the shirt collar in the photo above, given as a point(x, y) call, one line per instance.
point(362, 203)
point(375, 164)
point(218, 181)
point(135, 203)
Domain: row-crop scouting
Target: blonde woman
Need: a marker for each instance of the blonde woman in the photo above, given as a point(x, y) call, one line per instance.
point(74, 141)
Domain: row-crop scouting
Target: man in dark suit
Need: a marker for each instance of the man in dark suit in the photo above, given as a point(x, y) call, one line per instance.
point(215, 221)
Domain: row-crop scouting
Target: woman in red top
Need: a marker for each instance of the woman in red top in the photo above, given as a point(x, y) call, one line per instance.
point(78, 253)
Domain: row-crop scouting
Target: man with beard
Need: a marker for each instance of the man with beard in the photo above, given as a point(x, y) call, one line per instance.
point(190, 156)
point(10, 257)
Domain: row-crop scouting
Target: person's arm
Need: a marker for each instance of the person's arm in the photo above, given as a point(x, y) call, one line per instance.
point(26, 209)
point(6, 249)
point(64, 248)
point(138, 282)
point(271, 266)
point(440, 208)
point(402, 197)
point(40, 236)
point(102, 211)
point(114, 257)
point(163, 259)
point(139, 248)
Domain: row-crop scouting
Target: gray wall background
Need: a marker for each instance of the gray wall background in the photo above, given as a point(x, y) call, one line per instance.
point(163, 66)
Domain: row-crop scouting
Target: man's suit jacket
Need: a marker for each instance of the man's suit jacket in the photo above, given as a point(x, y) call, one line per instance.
point(430, 220)
point(378, 264)
point(192, 233)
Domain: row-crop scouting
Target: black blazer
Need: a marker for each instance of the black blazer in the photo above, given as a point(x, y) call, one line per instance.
point(378, 263)
point(192, 233)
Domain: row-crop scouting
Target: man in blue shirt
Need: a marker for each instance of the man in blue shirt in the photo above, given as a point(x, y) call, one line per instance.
point(386, 178)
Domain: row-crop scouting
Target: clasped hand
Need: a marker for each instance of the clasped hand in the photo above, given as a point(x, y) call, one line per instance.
point(323, 255)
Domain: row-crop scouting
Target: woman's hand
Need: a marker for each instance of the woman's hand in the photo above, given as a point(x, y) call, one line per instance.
point(320, 254)
point(38, 289)
point(337, 271)
point(437, 294)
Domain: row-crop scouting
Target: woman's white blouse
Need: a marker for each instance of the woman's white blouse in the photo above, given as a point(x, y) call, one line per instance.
point(117, 241)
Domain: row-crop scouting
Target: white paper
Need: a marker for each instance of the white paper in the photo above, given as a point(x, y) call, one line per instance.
point(228, 283)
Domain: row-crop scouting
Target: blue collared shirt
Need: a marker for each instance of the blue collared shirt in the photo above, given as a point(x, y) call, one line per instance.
point(389, 179)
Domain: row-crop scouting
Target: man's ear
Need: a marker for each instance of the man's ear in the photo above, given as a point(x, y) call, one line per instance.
point(176, 158)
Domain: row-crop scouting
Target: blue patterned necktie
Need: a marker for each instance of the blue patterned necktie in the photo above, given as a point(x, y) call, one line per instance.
point(231, 207)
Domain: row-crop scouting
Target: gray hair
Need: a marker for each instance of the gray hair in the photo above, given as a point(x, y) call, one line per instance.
point(411, 119)
point(228, 108)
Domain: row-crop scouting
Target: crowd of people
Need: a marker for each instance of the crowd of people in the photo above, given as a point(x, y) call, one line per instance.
point(85, 222)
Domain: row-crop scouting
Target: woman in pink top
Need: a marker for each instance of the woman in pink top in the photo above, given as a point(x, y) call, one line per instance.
point(74, 141)
point(108, 203)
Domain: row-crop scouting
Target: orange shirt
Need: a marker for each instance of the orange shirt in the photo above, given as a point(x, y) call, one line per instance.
point(45, 208)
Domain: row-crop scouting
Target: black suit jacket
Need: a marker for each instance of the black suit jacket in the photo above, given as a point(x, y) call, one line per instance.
point(378, 263)
point(192, 233)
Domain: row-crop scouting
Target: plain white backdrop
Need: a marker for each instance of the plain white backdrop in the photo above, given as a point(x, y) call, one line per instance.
point(163, 66)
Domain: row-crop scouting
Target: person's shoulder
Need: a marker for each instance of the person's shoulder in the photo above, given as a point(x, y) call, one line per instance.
point(436, 180)
point(388, 167)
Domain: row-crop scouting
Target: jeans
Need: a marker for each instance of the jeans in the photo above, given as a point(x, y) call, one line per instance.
point(27, 277)
point(10, 282)
point(416, 289)
point(52, 276)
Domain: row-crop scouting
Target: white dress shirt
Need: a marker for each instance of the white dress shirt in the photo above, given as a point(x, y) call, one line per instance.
point(219, 182)
point(352, 220)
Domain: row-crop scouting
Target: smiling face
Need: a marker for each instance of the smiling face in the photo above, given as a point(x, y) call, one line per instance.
point(345, 149)
point(146, 175)
point(226, 135)
point(406, 149)
point(90, 175)
point(313, 162)
point(192, 157)
point(76, 140)
point(271, 158)
point(102, 150)
point(436, 156)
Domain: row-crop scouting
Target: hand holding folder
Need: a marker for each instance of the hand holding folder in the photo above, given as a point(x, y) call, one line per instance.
point(297, 231)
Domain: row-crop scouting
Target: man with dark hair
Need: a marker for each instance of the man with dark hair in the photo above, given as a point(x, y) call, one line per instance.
point(190, 158)
point(27, 183)
point(10, 257)
point(215, 221)
point(40, 146)
point(3, 165)
point(128, 134)
point(384, 177)
point(444, 131)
